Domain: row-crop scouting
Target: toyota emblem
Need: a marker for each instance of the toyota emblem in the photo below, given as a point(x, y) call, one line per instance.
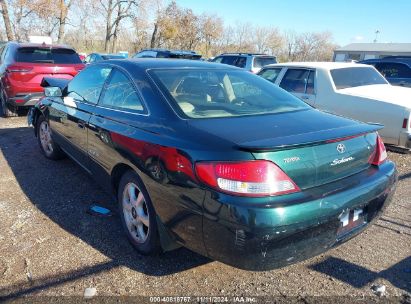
point(341, 148)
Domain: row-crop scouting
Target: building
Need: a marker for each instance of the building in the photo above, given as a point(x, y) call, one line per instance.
point(362, 51)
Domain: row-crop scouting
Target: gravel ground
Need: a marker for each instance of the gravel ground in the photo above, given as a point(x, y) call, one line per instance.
point(50, 246)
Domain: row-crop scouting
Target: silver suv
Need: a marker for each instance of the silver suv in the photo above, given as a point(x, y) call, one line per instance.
point(249, 61)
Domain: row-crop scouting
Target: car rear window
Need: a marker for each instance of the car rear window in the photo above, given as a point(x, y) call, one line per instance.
point(47, 55)
point(206, 93)
point(259, 62)
point(356, 77)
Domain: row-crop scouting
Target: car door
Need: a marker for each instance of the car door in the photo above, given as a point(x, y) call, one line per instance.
point(120, 106)
point(69, 116)
point(396, 73)
point(301, 83)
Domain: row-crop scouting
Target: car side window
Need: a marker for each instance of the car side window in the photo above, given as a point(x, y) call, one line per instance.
point(240, 62)
point(271, 74)
point(394, 70)
point(88, 59)
point(120, 93)
point(295, 80)
point(229, 60)
point(87, 85)
point(218, 59)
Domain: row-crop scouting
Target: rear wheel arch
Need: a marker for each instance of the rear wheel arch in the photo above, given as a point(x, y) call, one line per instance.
point(36, 114)
point(118, 171)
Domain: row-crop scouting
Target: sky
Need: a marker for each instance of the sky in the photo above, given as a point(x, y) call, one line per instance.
point(349, 21)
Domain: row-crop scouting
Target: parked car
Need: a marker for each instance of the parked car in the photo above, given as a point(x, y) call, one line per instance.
point(396, 69)
point(22, 68)
point(95, 57)
point(164, 53)
point(217, 159)
point(248, 61)
point(354, 90)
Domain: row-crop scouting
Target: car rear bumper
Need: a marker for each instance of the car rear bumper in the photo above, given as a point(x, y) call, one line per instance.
point(25, 100)
point(256, 235)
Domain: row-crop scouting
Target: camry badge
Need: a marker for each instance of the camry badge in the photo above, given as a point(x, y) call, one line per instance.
point(341, 148)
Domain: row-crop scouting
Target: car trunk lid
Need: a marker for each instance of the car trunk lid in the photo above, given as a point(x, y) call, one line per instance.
point(310, 146)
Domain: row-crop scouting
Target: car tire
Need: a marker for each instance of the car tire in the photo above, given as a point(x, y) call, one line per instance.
point(47, 145)
point(138, 216)
point(6, 111)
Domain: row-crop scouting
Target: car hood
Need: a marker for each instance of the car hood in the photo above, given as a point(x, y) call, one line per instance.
point(272, 131)
point(382, 92)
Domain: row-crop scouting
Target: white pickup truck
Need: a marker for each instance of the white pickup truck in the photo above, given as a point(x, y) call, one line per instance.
point(353, 90)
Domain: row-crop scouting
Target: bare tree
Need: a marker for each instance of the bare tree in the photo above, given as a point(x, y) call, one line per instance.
point(6, 18)
point(115, 12)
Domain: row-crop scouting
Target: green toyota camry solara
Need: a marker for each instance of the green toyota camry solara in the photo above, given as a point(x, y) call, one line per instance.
point(216, 159)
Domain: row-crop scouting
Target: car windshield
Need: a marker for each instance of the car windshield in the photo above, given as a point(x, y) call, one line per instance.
point(47, 55)
point(259, 62)
point(356, 77)
point(205, 93)
point(107, 57)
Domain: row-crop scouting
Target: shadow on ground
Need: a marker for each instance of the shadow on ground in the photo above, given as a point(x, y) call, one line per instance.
point(358, 276)
point(63, 192)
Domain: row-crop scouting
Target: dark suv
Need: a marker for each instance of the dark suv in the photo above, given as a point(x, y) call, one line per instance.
point(22, 68)
point(164, 53)
point(396, 69)
point(249, 61)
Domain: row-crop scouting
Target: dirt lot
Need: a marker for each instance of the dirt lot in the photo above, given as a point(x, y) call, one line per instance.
point(50, 246)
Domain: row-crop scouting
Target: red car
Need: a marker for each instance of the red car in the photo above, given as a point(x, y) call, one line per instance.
point(22, 68)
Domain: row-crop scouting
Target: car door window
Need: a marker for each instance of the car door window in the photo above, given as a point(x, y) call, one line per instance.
point(88, 59)
point(241, 62)
point(310, 83)
point(394, 70)
point(120, 93)
point(87, 85)
point(271, 74)
point(229, 60)
point(218, 59)
point(295, 80)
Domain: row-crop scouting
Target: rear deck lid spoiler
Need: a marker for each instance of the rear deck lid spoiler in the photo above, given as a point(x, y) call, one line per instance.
point(309, 139)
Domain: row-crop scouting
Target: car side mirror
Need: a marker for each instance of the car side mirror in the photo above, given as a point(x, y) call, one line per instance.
point(53, 92)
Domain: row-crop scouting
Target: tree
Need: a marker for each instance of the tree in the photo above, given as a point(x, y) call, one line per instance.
point(115, 12)
point(6, 18)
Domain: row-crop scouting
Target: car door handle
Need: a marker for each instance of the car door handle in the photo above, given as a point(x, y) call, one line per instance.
point(81, 125)
point(305, 97)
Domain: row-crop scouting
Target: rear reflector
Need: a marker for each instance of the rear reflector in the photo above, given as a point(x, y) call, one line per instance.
point(248, 178)
point(19, 100)
point(18, 69)
point(405, 123)
point(379, 155)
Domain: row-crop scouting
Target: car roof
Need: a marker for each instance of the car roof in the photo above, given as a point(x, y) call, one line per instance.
point(165, 63)
point(318, 65)
point(406, 61)
point(246, 54)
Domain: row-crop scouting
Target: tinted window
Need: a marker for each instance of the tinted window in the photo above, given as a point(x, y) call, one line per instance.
point(356, 77)
point(120, 93)
point(107, 57)
point(223, 93)
point(270, 74)
point(259, 62)
point(218, 59)
point(47, 55)
point(394, 70)
point(295, 80)
point(229, 60)
point(87, 85)
point(240, 62)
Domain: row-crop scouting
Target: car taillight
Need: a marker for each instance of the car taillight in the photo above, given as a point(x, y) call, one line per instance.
point(380, 153)
point(246, 178)
point(18, 69)
point(405, 123)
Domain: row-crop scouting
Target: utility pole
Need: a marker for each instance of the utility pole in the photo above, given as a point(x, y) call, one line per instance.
point(376, 35)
